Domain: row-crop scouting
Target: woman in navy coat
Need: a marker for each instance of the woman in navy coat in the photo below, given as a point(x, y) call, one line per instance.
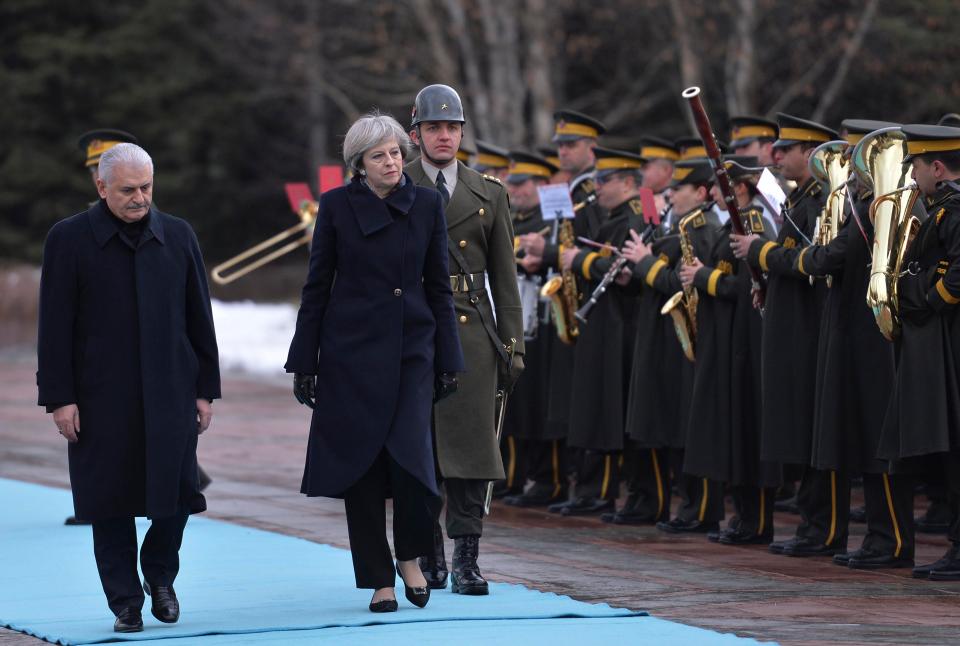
point(375, 344)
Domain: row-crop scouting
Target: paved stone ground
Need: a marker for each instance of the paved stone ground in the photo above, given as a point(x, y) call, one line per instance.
point(254, 451)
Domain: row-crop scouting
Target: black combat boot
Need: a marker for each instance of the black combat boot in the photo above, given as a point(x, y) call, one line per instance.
point(434, 567)
point(466, 573)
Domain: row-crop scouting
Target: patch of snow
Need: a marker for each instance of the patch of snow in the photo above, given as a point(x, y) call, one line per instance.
point(254, 337)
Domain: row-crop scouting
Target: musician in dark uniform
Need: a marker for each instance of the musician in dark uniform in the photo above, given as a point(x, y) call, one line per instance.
point(659, 156)
point(659, 403)
point(923, 419)
point(789, 348)
point(575, 135)
point(754, 137)
point(723, 437)
point(525, 432)
point(855, 372)
point(601, 358)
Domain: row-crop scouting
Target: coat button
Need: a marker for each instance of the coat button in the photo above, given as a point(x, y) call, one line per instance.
point(482, 212)
point(398, 292)
point(463, 318)
point(463, 244)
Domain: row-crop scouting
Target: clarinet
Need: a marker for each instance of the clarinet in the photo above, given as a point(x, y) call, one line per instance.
point(611, 275)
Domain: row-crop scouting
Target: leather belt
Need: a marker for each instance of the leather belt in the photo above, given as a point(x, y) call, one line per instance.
point(462, 282)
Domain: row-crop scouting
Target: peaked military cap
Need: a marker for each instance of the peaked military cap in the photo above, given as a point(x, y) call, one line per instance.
point(610, 161)
point(490, 157)
point(96, 142)
point(693, 148)
point(658, 148)
point(744, 130)
point(740, 167)
point(524, 166)
point(550, 154)
point(794, 130)
point(465, 152)
point(571, 125)
point(692, 171)
point(922, 139)
point(857, 128)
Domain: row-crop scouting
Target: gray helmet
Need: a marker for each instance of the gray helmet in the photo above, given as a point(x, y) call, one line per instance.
point(437, 103)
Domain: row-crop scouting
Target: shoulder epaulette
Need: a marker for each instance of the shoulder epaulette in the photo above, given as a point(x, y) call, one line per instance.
point(940, 214)
point(493, 179)
point(588, 186)
point(753, 219)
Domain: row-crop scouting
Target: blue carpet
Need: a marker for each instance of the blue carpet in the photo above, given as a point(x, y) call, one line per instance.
point(241, 585)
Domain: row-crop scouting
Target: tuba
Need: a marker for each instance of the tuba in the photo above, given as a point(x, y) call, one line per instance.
point(682, 306)
point(561, 290)
point(830, 166)
point(878, 162)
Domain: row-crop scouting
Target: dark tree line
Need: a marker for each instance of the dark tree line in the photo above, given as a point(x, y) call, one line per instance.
point(234, 97)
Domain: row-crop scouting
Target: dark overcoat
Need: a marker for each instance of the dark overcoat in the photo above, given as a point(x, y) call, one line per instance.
point(791, 325)
point(376, 326)
point(126, 333)
point(855, 366)
point(479, 223)
point(924, 412)
point(723, 435)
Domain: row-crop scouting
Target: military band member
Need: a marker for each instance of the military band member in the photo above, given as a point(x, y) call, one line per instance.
point(480, 246)
point(466, 152)
point(723, 437)
point(601, 357)
point(659, 157)
point(923, 418)
point(855, 372)
point(659, 408)
point(754, 137)
point(532, 449)
point(492, 160)
point(789, 348)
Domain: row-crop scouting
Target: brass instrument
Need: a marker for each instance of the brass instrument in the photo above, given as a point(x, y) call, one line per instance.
point(878, 163)
point(682, 306)
point(292, 238)
point(830, 165)
point(562, 291)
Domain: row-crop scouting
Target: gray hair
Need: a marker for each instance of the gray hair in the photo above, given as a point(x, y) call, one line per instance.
point(372, 130)
point(120, 155)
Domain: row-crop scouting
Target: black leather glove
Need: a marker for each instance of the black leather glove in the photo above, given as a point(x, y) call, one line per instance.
point(445, 385)
point(305, 389)
point(510, 374)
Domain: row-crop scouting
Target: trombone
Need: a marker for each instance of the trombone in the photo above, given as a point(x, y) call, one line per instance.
point(294, 238)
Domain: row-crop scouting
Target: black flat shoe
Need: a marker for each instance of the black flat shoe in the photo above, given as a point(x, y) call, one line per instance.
point(803, 547)
point(869, 560)
point(418, 596)
point(678, 526)
point(164, 605)
point(384, 605)
point(743, 537)
point(128, 621)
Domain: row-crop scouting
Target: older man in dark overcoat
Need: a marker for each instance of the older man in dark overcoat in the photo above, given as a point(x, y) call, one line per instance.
point(126, 342)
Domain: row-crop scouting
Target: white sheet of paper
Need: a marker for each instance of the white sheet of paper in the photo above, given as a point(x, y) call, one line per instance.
point(769, 187)
point(555, 201)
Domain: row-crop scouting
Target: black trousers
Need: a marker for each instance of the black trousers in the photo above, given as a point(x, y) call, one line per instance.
point(598, 475)
point(115, 548)
point(465, 500)
point(701, 499)
point(754, 509)
point(889, 506)
point(547, 466)
point(415, 510)
point(647, 472)
point(951, 466)
point(824, 503)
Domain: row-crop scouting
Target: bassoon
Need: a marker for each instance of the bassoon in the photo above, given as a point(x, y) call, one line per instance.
point(702, 121)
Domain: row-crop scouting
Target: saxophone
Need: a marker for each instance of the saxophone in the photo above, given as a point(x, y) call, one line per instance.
point(562, 291)
point(682, 306)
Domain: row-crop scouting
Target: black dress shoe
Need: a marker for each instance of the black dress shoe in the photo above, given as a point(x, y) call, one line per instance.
point(128, 621)
point(434, 567)
point(946, 568)
point(537, 496)
point(867, 559)
point(714, 537)
point(678, 526)
point(789, 505)
point(858, 515)
point(164, 605)
point(73, 520)
point(384, 605)
point(842, 559)
point(778, 547)
point(558, 507)
point(803, 547)
point(587, 506)
point(466, 578)
point(418, 596)
point(740, 536)
point(634, 518)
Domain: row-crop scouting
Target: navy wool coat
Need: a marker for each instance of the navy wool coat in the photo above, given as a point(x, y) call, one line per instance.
point(376, 324)
point(127, 335)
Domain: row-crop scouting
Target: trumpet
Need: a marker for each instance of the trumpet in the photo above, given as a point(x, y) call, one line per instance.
point(290, 239)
